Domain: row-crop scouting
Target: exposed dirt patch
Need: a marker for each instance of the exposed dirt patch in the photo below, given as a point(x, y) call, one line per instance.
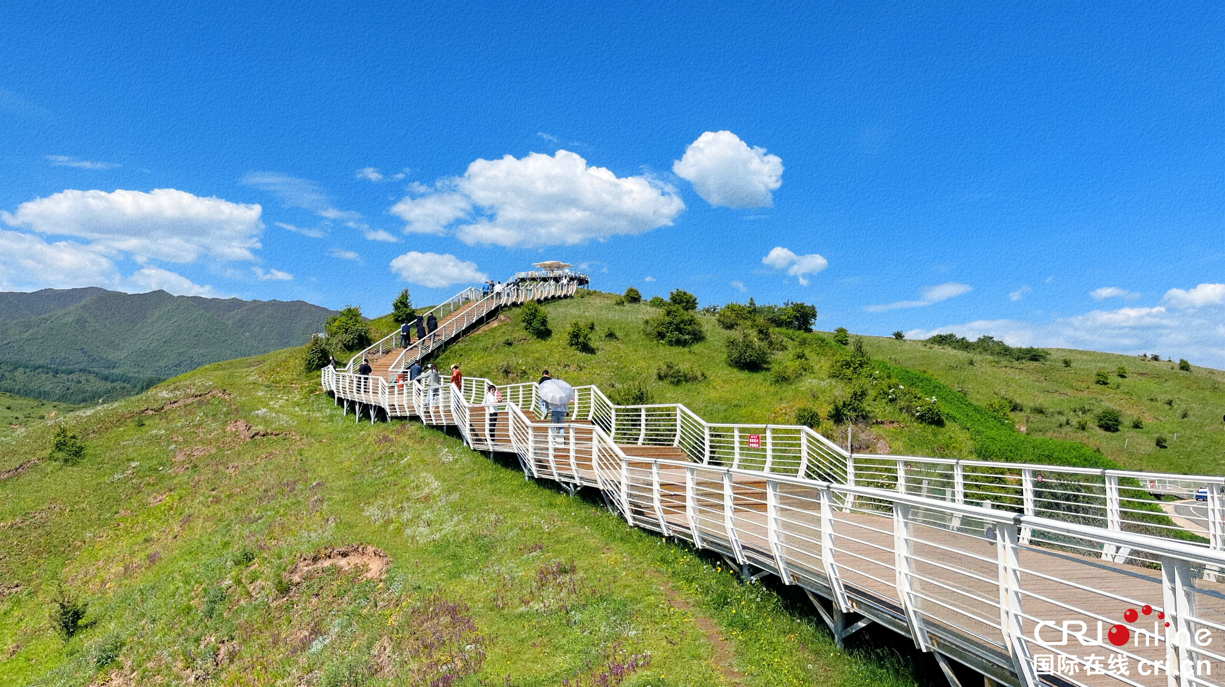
point(500, 319)
point(375, 561)
point(13, 472)
point(889, 424)
point(194, 452)
point(158, 498)
point(247, 432)
point(724, 654)
point(188, 400)
point(9, 589)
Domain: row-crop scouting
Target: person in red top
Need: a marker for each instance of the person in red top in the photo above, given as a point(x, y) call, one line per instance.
point(457, 377)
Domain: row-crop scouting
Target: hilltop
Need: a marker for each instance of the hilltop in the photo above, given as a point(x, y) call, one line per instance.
point(82, 345)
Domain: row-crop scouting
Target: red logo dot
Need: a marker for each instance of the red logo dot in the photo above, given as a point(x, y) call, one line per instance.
point(1147, 609)
point(1119, 635)
point(1130, 615)
point(1161, 615)
point(1167, 624)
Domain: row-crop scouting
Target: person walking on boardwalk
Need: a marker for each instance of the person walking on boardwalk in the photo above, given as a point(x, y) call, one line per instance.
point(419, 325)
point(414, 371)
point(457, 377)
point(364, 370)
point(544, 405)
point(558, 395)
point(431, 326)
point(405, 335)
point(433, 382)
point(492, 398)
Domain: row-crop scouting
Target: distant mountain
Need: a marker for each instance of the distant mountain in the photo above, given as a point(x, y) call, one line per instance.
point(82, 345)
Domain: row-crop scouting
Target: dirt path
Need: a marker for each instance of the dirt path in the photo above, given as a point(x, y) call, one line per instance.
point(724, 654)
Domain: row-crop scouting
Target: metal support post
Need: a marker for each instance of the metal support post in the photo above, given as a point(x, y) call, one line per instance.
point(772, 530)
point(1027, 502)
point(1114, 519)
point(827, 552)
point(902, 559)
point(1179, 602)
point(1008, 558)
point(625, 491)
point(691, 505)
point(658, 497)
point(729, 517)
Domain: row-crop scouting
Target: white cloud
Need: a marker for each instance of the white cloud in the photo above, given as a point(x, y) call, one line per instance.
point(378, 235)
point(344, 254)
point(166, 224)
point(1019, 293)
point(272, 275)
point(798, 266)
point(539, 200)
point(739, 286)
point(1200, 296)
point(430, 214)
point(373, 174)
point(434, 270)
point(65, 161)
point(931, 296)
point(726, 172)
point(298, 193)
point(305, 231)
point(28, 263)
point(548, 137)
point(649, 279)
point(152, 278)
point(1112, 292)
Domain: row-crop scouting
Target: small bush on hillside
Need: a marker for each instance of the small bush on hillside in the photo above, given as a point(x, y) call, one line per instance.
point(745, 352)
point(1185, 414)
point(1137, 423)
point(683, 300)
point(657, 302)
point(108, 651)
point(807, 416)
point(1161, 442)
point(635, 394)
point(1109, 420)
point(1121, 372)
point(928, 412)
point(67, 614)
point(850, 365)
point(579, 336)
point(736, 315)
point(632, 295)
point(842, 336)
point(1082, 424)
point(790, 371)
point(214, 597)
point(66, 448)
point(1169, 402)
point(1154, 357)
point(675, 374)
point(1067, 362)
point(402, 308)
point(619, 300)
point(242, 558)
point(317, 354)
point(1101, 377)
point(536, 320)
point(989, 345)
point(1000, 407)
point(350, 671)
point(850, 405)
point(793, 315)
point(348, 329)
point(610, 335)
point(1184, 365)
point(675, 327)
point(899, 335)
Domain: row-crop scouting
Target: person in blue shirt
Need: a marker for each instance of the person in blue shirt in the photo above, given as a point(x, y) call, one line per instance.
point(414, 371)
point(405, 335)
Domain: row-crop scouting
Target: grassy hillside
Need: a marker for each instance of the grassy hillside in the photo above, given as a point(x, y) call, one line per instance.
point(1055, 399)
point(210, 522)
point(85, 344)
point(18, 413)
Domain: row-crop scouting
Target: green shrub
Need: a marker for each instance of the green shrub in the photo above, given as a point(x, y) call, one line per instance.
point(1067, 362)
point(619, 300)
point(536, 320)
point(214, 597)
point(1082, 424)
point(850, 365)
point(108, 651)
point(579, 336)
point(1101, 377)
point(1169, 402)
point(807, 416)
point(1001, 407)
point(850, 405)
point(635, 394)
point(675, 327)
point(745, 352)
point(402, 308)
point(657, 302)
point(351, 671)
point(793, 315)
point(676, 375)
point(899, 335)
point(67, 614)
point(66, 448)
point(928, 412)
point(1137, 423)
point(317, 354)
point(348, 329)
point(1121, 372)
point(683, 300)
point(1109, 419)
point(1185, 414)
point(991, 346)
point(632, 295)
point(242, 558)
point(736, 315)
point(1161, 442)
point(1184, 365)
point(842, 336)
point(610, 335)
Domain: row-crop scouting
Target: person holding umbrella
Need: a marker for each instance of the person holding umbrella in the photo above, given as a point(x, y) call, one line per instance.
point(558, 395)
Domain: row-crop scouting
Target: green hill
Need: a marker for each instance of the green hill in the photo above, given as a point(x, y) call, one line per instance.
point(209, 525)
point(18, 413)
point(83, 345)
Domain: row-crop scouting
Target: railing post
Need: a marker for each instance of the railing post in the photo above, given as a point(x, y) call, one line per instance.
point(658, 497)
point(642, 431)
point(1027, 502)
point(902, 537)
point(706, 433)
point(729, 516)
point(676, 441)
point(1114, 520)
point(769, 447)
point(959, 490)
point(736, 447)
point(1008, 560)
point(625, 491)
point(574, 454)
point(803, 453)
point(1177, 586)
point(772, 530)
point(1216, 511)
point(828, 551)
point(691, 505)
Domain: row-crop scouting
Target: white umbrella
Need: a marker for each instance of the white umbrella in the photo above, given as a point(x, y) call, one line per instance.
point(556, 392)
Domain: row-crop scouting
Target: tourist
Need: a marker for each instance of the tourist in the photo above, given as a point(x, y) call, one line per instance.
point(332, 362)
point(405, 335)
point(433, 382)
point(544, 405)
point(364, 370)
point(457, 377)
point(492, 398)
point(414, 371)
point(559, 411)
point(420, 327)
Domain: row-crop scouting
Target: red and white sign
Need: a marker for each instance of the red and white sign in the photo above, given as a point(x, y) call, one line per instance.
point(754, 441)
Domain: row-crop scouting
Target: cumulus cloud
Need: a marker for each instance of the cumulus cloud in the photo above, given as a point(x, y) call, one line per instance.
point(1019, 293)
point(66, 161)
point(1112, 292)
point(28, 262)
point(798, 266)
point(152, 278)
point(434, 270)
point(931, 296)
point(539, 200)
point(342, 254)
point(1200, 296)
point(166, 224)
point(305, 231)
point(272, 275)
point(726, 172)
point(377, 235)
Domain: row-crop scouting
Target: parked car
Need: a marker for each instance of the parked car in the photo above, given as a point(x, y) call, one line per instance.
point(1202, 494)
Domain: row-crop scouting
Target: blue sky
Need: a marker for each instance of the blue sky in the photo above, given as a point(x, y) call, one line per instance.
point(1051, 174)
